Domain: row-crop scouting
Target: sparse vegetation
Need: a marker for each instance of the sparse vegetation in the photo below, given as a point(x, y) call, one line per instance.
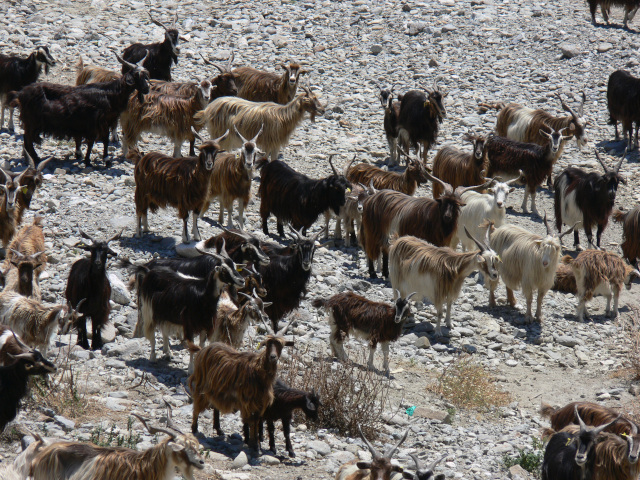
point(467, 384)
point(530, 460)
point(111, 438)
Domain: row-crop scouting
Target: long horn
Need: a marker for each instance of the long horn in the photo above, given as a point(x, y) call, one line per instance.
point(157, 22)
point(436, 462)
point(196, 134)
point(546, 224)
point(283, 330)
point(416, 460)
point(132, 66)
point(410, 295)
point(447, 187)
point(520, 179)
point(580, 421)
point(392, 450)
point(20, 342)
point(479, 244)
point(244, 140)
point(568, 231)
point(28, 157)
point(170, 422)
point(35, 255)
point(374, 452)
point(317, 235)
point(223, 249)
point(624, 155)
point(297, 233)
point(335, 172)
point(601, 162)
point(461, 190)
point(19, 176)
point(153, 429)
point(19, 254)
point(606, 425)
point(139, 63)
point(566, 107)
point(42, 164)
point(255, 139)
point(230, 62)
point(435, 83)
point(581, 107)
point(219, 139)
point(115, 237)
point(79, 304)
point(87, 236)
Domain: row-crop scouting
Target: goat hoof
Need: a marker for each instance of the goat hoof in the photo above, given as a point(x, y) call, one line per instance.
point(291, 454)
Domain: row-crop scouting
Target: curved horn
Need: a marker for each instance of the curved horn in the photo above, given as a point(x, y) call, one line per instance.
point(410, 295)
point(255, 294)
point(634, 428)
point(196, 134)
point(577, 415)
point(223, 250)
point(374, 452)
point(283, 330)
point(398, 293)
point(209, 62)
point(481, 246)
point(461, 190)
point(19, 176)
point(619, 164)
point(132, 66)
point(416, 460)
point(157, 22)
point(115, 237)
point(546, 224)
point(392, 450)
point(230, 62)
point(79, 304)
point(141, 62)
point(447, 188)
point(601, 428)
point(249, 297)
point(244, 140)
point(20, 342)
point(19, 254)
point(170, 422)
point(436, 462)
point(219, 139)
point(600, 160)
point(581, 106)
point(568, 231)
point(42, 164)
point(34, 256)
point(153, 429)
point(297, 233)
point(520, 179)
point(436, 82)
point(87, 236)
point(254, 139)
point(566, 107)
point(335, 172)
point(317, 235)
point(28, 157)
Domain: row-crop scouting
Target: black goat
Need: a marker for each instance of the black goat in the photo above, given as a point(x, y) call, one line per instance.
point(82, 112)
point(157, 57)
point(623, 101)
point(391, 113)
point(286, 277)
point(630, 9)
point(286, 400)
point(420, 116)
point(571, 456)
point(422, 472)
point(586, 198)
point(14, 379)
point(241, 246)
point(18, 72)
point(295, 198)
point(88, 279)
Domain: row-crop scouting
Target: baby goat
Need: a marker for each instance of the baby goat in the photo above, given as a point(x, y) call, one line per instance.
point(231, 321)
point(600, 273)
point(438, 273)
point(260, 86)
point(630, 234)
point(375, 322)
point(458, 168)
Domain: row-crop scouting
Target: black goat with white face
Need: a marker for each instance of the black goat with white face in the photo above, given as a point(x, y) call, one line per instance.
point(161, 55)
point(18, 72)
point(586, 198)
point(88, 279)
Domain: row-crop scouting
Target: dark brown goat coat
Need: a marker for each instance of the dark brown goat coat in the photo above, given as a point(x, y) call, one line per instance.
point(630, 233)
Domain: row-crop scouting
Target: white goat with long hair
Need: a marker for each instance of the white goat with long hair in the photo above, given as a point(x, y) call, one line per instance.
point(529, 262)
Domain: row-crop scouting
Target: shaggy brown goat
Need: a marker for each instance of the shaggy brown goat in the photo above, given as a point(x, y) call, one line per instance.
point(26, 256)
point(227, 381)
point(591, 413)
point(406, 182)
point(32, 179)
point(86, 74)
point(232, 321)
point(630, 234)
point(565, 280)
point(260, 86)
point(8, 209)
point(458, 168)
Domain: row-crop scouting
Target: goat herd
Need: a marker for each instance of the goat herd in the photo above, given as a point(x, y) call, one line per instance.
point(234, 278)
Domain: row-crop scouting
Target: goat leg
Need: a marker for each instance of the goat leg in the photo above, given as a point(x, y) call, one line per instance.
point(192, 147)
point(541, 294)
point(529, 298)
point(241, 206)
point(385, 265)
point(599, 234)
point(384, 346)
point(196, 232)
point(10, 126)
point(105, 152)
point(372, 352)
point(616, 294)
point(2, 109)
point(280, 227)
point(605, 14)
point(615, 125)
point(286, 429)
point(78, 151)
point(271, 429)
point(185, 231)
point(87, 157)
point(216, 422)
point(81, 327)
point(96, 340)
point(511, 298)
point(372, 269)
point(576, 240)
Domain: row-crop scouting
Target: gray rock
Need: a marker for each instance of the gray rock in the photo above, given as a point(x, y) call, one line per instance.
point(422, 342)
point(449, 27)
point(604, 47)
point(414, 28)
point(376, 48)
point(65, 423)
point(113, 405)
point(431, 414)
point(269, 460)
point(567, 341)
point(119, 292)
point(516, 472)
point(240, 461)
point(319, 447)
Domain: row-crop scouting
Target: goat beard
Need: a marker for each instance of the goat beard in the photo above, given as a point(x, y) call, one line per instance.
point(313, 118)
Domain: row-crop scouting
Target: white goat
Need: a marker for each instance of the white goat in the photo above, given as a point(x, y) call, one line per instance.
point(529, 262)
point(19, 469)
point(437, 273)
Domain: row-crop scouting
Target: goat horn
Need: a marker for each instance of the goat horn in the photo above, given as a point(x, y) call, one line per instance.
point(624, 155)
point(391, 451)
point(196, 134)
point(374, 452)
point(230, 62)
point(317, 235)
point(520, 179)
point(601, 162)
point(435, 82)
point(19, 176)
point(244, 140)
point(157, 22)
point(35, 435)
point(268, 328)
point(436, 462)
point(606, 425)
point(15, 252)
point(447, 187)
point(170, 422)
point(20, 342)
point(255, 294)
point(398, 293)
point(479, 244)
point(580, 421)
point(36, 255)
point(283, 330)
point(488, 234)
point(132, 66)
point(28, 157)
point(207, 62)
point(139, 63)
point(249, 297)
point(223, 250)
point(253, 270)
point(546, 224)
point(581, 107)
point(219, 139)
point(460, 190)
point(566, 107)
point(410, 295)
point(335, 172)
point(153, 429)
point(416, 460)
point(634, 428)
point(79, 304)
point(115, 237)
point(175, 19)
point(255, 139)
point(42, 164)
point(87, 236)
point(568, 231)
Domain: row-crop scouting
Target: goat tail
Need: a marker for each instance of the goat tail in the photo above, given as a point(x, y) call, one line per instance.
point(38, 221)
point(192, 347)
point(134, 155)
point(12, 99)
point(567, 259)
point(546, 410)
point(319, 302)
point(261, 162)
point(79, 65)
point(619, 216)
point(200, 119)
point(484, 107)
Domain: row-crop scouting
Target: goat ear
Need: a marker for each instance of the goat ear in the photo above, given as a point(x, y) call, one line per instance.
point(512, 189)
point(175, 447)
point(289, 343)
point(396, 468)
point(426, 103)
point(83, 246)
point(363, 465)
point(440, 476)
point(480, 259)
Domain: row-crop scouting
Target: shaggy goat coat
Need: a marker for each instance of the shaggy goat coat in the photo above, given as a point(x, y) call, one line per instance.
point(630, 233)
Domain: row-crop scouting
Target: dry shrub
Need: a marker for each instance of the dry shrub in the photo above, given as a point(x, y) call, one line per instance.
point(631, 366)
point(350, 394)
point(467, 384)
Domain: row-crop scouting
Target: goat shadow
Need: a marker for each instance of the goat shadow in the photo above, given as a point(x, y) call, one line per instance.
point(614, 26)
point(162, 370)
point(76, 166)
point(617, 147)
point(515, 317)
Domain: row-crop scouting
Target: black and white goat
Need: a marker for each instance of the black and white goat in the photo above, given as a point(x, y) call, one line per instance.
point(18, 72)
point(586, 199)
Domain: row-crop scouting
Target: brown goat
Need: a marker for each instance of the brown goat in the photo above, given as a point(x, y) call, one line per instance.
point(232, 321)
point(86, 74)
point(32, 179)
point(590, 413)
point(231, 179)
point(405, 182)
point(565, 280)
point(227, 381)
point(8, 210)
point(260, 86)
point(25, 260)
point(458, 168)
point(630, 234)
point(180, 182)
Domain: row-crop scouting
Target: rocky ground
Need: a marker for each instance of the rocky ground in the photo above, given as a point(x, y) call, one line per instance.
point(484, 50)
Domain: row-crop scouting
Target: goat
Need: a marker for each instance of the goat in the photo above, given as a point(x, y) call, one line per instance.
point(158, 57)
point(223, 85)
point(86, 74)
point(508, 157)
point(227, 380)
point(85, 461)
point(405, 182)
point(260, 86)
point(591, 414)
point(294, 198)
point(570, 455)
point(630, 234)
point(458, 168)
point(565, 280)
point(10, 345)
point(231, 179)
point(14, 379)
point(34, 321)
point(19, 469)
point(17, 72)
point(529, 262)
point(180, 304)
point(438, 273)
point(278, 121)
point(380, 467)
point(524, 124)
point(88, 280)
point(420, 116)
point(287, 275)
point(623, 103)
point(85, 112)
point(630, 9)
point(9, 208)
point(390, 123)
point(599, 273)
point(422, 472)
point(231, 321)
point(180, 182)
point(165, 114)
point(586, 199)
point(26, 257)
point(285, 401)
point(376, 322)
point(241, 246)
point(32, 179)
point(480, 207)
point(387, 212)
